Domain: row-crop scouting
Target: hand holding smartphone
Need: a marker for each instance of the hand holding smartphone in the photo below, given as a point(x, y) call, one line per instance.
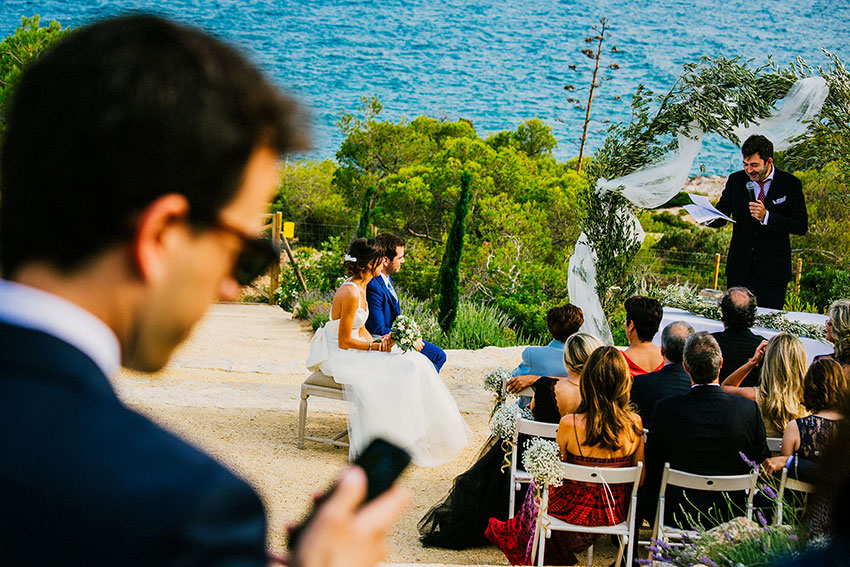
point(382, 461)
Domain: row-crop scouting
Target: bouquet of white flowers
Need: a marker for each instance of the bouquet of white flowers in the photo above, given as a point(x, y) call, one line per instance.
point(504, 420)
point(495, 381)
point(542, 461)
point(405, 332)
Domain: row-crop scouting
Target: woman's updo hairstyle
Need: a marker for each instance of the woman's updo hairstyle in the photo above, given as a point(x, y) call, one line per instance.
point(361, 256)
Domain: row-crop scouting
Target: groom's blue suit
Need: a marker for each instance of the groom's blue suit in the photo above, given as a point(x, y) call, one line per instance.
point(384, 308)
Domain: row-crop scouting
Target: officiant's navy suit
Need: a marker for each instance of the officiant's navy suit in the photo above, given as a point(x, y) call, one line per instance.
point(84, 480)
point(760, 255)
point(384, 308)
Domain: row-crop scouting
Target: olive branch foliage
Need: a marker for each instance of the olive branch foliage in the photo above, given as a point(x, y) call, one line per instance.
point(713, 95)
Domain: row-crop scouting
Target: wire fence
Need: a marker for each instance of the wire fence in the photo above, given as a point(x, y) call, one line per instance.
point(662, 266)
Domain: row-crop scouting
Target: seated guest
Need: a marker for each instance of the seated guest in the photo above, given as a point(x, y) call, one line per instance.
point(737, 342)
point(605, 433)
point(672, 379)
point(838, 333)
point(577, 350)
point(537, 361)
point(780, 396)
point(805, 438)
point(643, 317)
point(701, 432)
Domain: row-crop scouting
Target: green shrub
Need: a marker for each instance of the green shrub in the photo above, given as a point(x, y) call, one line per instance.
point(322, 271)
point(820, 285)
point(477, 326)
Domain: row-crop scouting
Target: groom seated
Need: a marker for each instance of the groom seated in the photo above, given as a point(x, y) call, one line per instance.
point(383, 301)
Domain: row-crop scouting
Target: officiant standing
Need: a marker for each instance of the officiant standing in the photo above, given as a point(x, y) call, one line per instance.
point(383, 301)
point(767, 206)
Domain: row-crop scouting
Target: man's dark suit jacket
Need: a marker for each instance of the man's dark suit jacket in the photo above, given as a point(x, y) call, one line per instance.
point(648, 388)
point(384, 308)
point(762, 253)
point(701, 432)
point(737, 348)
point(86, 481)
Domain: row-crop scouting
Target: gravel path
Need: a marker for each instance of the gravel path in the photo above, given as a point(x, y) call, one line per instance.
point(234, 389)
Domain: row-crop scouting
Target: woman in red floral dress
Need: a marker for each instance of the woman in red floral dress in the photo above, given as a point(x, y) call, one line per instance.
point(604, 433)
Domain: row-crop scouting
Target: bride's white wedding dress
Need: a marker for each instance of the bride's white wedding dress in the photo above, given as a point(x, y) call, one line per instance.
point(394, 395)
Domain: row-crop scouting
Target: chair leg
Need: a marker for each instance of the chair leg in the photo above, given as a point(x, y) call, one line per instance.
point(619, 560)
point(590, 556)
point(630, 553)
point(302, 420)
point(542, 548)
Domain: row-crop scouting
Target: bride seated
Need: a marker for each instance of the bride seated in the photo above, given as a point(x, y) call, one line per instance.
point(395, 395)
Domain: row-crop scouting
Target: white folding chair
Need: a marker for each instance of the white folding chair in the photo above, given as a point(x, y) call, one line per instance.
point(595, 475)
point(518, 475)
point(774, 444)
point(673, 477)
point(319, 385)
point(789, 484)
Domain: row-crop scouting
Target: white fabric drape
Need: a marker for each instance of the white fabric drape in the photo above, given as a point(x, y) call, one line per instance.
point(655, 184)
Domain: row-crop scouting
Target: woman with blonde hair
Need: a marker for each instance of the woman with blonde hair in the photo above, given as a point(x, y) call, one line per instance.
point(577, 350)
point(838, 333)
point(604, 433)
point(780, 395)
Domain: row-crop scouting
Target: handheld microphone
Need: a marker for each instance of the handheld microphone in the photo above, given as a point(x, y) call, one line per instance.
point(751, 187)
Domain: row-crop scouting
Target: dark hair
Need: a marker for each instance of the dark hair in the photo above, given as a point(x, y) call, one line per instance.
point(646, 313)
point(757, 144)
point(564, 320)
point(702, 358)
point(824, 386)
point(365, 252)
point(673, 339)
point(389, 242)
point(604, 385)
point(738, 308)
point(118, 114)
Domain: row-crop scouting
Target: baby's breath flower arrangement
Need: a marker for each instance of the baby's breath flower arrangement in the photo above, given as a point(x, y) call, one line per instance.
point(504, 420)
point(405, 332)
point(495, 379)
point(542, 461)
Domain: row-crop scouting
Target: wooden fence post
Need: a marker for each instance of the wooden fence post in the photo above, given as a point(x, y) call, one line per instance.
point(716, 271)
point(292, 262)
point(797, 274)
point(275, 272)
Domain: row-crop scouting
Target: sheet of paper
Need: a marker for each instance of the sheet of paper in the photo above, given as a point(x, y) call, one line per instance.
point(703, 211)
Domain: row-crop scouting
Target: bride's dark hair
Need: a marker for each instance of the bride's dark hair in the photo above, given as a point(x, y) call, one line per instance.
point(361, 256)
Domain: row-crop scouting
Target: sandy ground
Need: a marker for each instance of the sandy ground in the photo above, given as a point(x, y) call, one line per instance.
point(233, 389)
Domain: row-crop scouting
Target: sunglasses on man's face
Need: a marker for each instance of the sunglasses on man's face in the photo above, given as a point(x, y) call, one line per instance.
point(256, 257)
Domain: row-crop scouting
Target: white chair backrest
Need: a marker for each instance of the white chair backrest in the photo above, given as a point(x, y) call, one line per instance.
point(601, 474)
point(707, 482)
point(786, 483)
point(536, 429)
point(774, 444)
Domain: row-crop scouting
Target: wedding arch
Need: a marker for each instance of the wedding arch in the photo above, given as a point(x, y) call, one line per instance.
point(645, 162)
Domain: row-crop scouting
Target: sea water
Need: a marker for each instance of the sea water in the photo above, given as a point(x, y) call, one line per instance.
point(493, 63)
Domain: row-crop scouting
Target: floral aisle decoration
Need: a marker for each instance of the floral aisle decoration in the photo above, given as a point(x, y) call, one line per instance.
point(542, 461)
point(405, 332)
point(686, 297)
point(503, 424)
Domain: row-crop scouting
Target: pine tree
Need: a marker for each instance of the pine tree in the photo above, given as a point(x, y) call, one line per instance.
point(363, 227)
point(450, 270)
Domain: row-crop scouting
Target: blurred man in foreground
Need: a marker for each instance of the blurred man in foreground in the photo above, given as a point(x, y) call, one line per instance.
point(138, 158)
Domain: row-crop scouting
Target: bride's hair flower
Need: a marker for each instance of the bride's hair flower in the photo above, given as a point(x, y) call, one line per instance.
point(349, 258)
point(542, 461)
point(405, 332)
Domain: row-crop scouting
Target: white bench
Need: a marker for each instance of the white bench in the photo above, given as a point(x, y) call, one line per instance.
point(317, 384)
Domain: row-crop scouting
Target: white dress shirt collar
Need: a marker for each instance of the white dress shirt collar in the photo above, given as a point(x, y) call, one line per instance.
point(31, 308)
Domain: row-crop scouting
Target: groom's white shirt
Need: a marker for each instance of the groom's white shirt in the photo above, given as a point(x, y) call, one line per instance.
point(388, 285)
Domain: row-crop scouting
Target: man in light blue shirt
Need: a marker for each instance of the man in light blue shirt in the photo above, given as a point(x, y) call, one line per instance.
point(537, 361)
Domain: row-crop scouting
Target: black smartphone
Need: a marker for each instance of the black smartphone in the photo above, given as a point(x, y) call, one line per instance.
point(383, 463)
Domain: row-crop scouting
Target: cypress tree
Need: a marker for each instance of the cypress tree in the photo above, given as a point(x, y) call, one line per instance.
point(363, 226)
point(450, 270)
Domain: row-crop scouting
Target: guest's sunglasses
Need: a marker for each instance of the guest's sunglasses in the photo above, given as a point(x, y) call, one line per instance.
point(255, 258)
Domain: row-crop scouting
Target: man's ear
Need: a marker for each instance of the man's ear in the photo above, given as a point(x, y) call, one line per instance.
point(155, 226)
